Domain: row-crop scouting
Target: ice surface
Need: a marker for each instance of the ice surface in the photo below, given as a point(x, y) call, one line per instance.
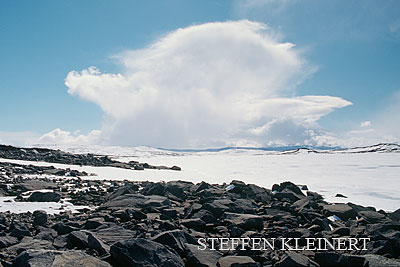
point(369, 179)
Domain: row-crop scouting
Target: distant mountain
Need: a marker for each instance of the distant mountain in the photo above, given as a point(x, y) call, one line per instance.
point(275, 149)
point(378, 148)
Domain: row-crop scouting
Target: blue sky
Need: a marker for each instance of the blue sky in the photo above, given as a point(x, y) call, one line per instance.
point(347, 49)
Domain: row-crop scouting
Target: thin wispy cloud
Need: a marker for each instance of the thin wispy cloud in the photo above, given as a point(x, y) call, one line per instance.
point(207, 85)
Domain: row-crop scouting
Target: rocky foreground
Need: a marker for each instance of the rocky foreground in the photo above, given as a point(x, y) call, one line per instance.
point(159, 224)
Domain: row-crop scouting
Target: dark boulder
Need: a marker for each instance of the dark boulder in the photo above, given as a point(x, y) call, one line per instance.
point(335, 259)
point(245, 221)
point(6, 241)
point(35, 184)
point(136, 201)
point(94, 223)
point(63, 229)
point(44, 197)
point(201, 258)
point(153, 189)
point(39, 218)
point(395, 216)
point(143, 252)
point(94, 242)
point(175, 239)
point(372, 216)
point(294, 259)
point(205, 215)
point(380, 261)
point(127, 189)
point(77, 239)
point(48, 258)
point(287, 186)
point(231, 261)
point(18, 230)
point(111, 233)
point(196, 223)
point(343, 211)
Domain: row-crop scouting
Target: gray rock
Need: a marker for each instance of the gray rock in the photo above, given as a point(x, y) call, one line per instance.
point(196, 223)
point(77, 239)
point(336, 259)
point(294, 259)
point(143, 252)
point(127, 189)
point(175, 239)
point(245, 221)
point(34, 184)
point(201, 258)
point(380, 261)
point(136, 201)
point(231, 261)
point(39, 218)
point(46, 233)
point(6, 241)
point(63, 229)
point(97, 244)
point(205, 215)
point(395, 216)
point(94, 223)
point(343, 211)
point(29, 243)
point(113, 233)
point(44, 197)
point(53, 258)
point(372, 216)
point(19, 230)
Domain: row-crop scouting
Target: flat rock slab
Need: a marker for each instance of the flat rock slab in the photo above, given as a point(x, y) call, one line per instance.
point(343, 211)
point(245, 221)
point(113, 234)
point(229, 261)
point(294, 259)
point(136, 201)
point(143, 252)
point(380, 261)
point(53, 258)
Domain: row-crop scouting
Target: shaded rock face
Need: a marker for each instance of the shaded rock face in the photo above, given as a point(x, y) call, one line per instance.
point(136, 201)
point(204, 258)
point(143, 252)
point(158, 224)
point(245, 221)
point(343, 211)
point(230, 261)
point(39, 218)
point(44, 197)
point(293, 259)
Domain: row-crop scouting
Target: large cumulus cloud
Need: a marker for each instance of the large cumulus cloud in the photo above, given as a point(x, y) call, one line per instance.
point(207, 85)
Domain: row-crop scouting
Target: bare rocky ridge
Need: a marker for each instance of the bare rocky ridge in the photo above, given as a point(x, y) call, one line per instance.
point(58, 156)
point(159, 224)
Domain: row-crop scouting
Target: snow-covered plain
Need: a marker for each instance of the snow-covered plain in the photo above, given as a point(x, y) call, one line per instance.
point(368, 178)
point(8, 204)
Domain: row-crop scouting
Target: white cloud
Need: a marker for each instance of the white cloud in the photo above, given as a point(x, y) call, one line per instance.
point(365, 124)
point(206, 85)
point(18, 138)
point(59, 136)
